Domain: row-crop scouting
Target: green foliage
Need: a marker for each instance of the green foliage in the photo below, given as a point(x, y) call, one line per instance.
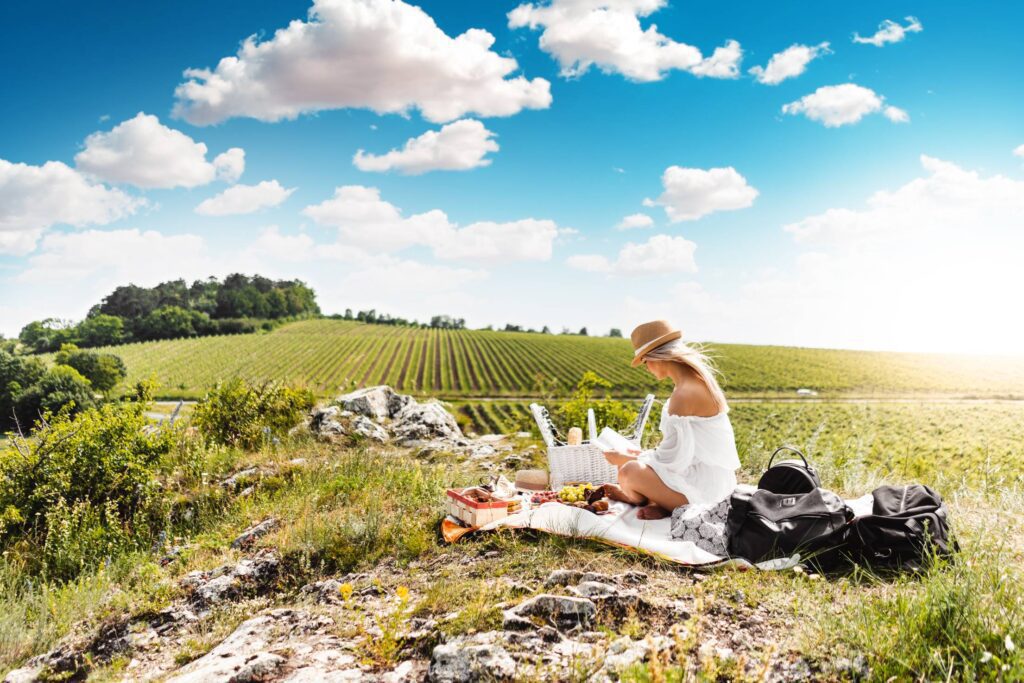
point(61, 387)
point(16, 374)
point(103, 370)
point(83, 488)
point(101, 330)
point(42, 336)
point(238, 413)
point(607, 411)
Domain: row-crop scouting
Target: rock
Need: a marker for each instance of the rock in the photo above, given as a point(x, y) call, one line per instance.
point(229, 581)
point(633, 578)
point(377, 402)
point(482, 451)
point(624, 652)
point(420, 422)
point(563, 577)
point(325, 421)
point(561, 611)
point(237, 479)
point(249, 536)
point(595, 589)
point(369, 429)
point(608, 595)
point(460, 661)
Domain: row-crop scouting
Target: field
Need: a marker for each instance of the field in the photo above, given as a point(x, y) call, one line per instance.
point(331, 355)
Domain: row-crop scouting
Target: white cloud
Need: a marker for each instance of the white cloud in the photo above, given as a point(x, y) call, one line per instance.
point(691, 193)
point(458, 146)
point(122, 256)
point(383, 55)
point(635, 220)
point(895, 114)
point(367, 221)
point(34, 198)
point(1019, 151)
point(143, 152)
point(659, 255)
point(241, 199)
point(607, 34)
point(789, 63)
point(839, 105)
point(890, 32)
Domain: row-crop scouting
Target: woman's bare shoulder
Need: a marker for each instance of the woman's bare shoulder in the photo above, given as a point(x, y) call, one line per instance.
point(693, 399)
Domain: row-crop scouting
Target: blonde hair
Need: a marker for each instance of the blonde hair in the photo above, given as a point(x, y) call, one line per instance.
point(694, 357)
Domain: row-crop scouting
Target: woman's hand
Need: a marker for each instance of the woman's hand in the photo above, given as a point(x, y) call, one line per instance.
point(618, 459)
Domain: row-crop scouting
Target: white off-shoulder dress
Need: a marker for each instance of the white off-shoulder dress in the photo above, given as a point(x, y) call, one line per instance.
point(696, 457)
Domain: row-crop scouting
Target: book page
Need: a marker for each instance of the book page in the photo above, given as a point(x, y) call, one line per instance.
point(611, 440)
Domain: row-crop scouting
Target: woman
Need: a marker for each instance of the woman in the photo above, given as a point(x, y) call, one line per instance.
point(696, 460)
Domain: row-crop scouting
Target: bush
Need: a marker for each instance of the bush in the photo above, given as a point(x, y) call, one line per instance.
point(83, 489)
point(61, 386)
point(103, 370)
point(237, 413)
point(607, 411)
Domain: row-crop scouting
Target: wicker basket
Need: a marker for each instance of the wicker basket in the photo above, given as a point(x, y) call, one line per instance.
point(585, 462)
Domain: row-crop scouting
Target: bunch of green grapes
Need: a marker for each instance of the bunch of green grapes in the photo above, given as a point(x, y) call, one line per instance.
point(575, 494)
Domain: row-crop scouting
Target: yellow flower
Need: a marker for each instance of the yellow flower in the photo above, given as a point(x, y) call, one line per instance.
point(403, 593)
point(346, 591)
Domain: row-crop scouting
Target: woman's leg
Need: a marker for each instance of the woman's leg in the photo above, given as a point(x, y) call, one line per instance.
point(641, 484)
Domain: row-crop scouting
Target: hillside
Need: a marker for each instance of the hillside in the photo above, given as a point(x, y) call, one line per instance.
point(327, 355)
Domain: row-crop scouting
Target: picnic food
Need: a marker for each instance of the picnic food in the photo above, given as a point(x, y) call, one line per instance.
point(575, 494)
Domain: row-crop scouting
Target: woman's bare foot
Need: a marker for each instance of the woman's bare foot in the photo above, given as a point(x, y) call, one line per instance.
point(652, 511)
point(615, 492)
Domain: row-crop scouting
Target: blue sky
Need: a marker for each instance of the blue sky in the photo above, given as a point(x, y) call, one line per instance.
point(782, 244)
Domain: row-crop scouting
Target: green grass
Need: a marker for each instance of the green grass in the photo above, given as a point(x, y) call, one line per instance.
point(331, 355)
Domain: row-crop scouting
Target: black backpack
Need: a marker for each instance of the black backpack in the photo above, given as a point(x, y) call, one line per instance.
point(763, 525)
point(789, 476)
point(907, 527)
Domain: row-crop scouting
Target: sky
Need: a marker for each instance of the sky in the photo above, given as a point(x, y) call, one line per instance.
point(845, 175)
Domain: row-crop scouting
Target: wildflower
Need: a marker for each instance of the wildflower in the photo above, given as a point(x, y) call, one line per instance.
point(346, 591)
point(403, 594)
point(986, 657)
point(1009, 643)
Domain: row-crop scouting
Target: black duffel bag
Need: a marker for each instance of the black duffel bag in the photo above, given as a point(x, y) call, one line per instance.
point(908, 526)
point(763, 525)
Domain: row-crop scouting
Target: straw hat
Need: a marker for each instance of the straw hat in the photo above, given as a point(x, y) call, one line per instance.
point(649, 336)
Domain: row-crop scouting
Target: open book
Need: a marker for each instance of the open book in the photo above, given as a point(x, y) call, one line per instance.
point(611, 440)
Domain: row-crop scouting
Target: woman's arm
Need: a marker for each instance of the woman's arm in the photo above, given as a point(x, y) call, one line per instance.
point(618, 459)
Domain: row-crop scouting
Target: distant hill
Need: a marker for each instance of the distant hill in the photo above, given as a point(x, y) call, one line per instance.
point(331, 355)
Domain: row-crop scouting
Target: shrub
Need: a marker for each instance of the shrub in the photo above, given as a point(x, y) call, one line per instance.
point(61, 386)
point(607, 411)
point(84, 488)
point(103, 370)
point(237, 413)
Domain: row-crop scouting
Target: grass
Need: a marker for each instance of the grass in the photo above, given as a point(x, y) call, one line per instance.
point(376, 508)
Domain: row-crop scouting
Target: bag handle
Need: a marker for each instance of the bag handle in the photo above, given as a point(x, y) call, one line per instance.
point(794, 449)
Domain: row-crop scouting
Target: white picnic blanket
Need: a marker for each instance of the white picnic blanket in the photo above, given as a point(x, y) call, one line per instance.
point(622, 527)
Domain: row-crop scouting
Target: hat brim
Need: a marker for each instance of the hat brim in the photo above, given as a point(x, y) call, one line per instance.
point(638, 357)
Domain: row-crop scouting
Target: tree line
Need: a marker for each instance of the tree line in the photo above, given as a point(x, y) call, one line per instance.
point(175, 309)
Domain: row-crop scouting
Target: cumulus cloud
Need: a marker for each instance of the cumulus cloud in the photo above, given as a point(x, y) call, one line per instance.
point(1019, 151)
point(635, 220)
point(659, 255)
point(789, 63)
point(242, 199)
point(34, 198)
point(890, 32)
point(690, 193)
point(458, 146)
point(839, 105)
point(608, 34)
point(367, 221)
point(383, 55)
point(143, 152)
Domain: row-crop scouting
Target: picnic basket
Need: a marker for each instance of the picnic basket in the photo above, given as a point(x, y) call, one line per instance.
point(585, 462)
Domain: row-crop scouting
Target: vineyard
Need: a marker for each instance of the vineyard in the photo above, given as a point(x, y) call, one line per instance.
point(329, 356)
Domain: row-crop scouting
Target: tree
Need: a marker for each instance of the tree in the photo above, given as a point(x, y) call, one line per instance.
point(103, 370)
point(60, 386)
point(546, 330)
point(43, 336)
point(101, 330)
point(16, 374)
point(583, 332)
point(615, 332)
point(169, 322)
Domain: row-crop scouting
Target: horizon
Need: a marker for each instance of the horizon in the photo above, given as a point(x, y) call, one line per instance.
point(848, 178)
